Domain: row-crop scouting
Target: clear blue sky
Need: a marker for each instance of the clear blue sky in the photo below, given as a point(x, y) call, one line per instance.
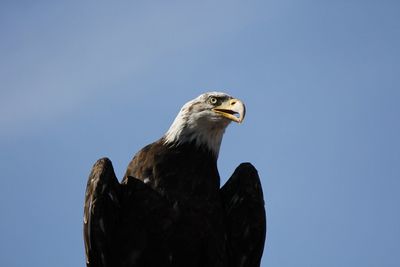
point(321, 79)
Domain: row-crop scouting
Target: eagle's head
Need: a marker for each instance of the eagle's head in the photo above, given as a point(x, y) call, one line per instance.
point(203, 120)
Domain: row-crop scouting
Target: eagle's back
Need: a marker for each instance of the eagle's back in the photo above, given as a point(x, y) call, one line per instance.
point(177, 172)
point(186, 176)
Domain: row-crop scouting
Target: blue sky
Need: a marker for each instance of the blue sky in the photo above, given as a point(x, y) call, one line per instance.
point(84, 79)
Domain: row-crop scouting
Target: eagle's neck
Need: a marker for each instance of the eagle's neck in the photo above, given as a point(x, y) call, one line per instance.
point(187, 128)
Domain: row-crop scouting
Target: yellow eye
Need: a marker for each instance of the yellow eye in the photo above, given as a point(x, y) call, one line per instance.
point(213, 100)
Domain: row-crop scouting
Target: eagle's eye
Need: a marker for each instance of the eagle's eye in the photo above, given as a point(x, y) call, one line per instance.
point(213, 100)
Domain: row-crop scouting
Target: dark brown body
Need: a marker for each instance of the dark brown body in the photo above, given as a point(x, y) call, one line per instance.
point(177, 172)
point(169, 210)
point(193, 193)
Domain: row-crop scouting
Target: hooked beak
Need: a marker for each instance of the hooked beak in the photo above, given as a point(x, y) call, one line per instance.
point(232, 109)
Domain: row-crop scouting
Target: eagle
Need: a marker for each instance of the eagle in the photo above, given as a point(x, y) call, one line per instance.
point(169, 209)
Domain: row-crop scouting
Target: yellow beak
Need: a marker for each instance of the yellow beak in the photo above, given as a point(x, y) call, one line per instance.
point(232, 109)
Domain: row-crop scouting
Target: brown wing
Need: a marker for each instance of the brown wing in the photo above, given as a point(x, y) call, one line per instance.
point(124, 224)
point(246, 221)
point(101, 212)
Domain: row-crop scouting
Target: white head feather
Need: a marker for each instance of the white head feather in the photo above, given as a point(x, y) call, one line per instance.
point(197, 123)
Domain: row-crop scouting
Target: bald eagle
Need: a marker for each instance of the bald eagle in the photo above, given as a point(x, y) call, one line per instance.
point(169, 209)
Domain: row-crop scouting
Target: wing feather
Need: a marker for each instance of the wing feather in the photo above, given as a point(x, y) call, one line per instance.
point(243, 201)
point(101, 214)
